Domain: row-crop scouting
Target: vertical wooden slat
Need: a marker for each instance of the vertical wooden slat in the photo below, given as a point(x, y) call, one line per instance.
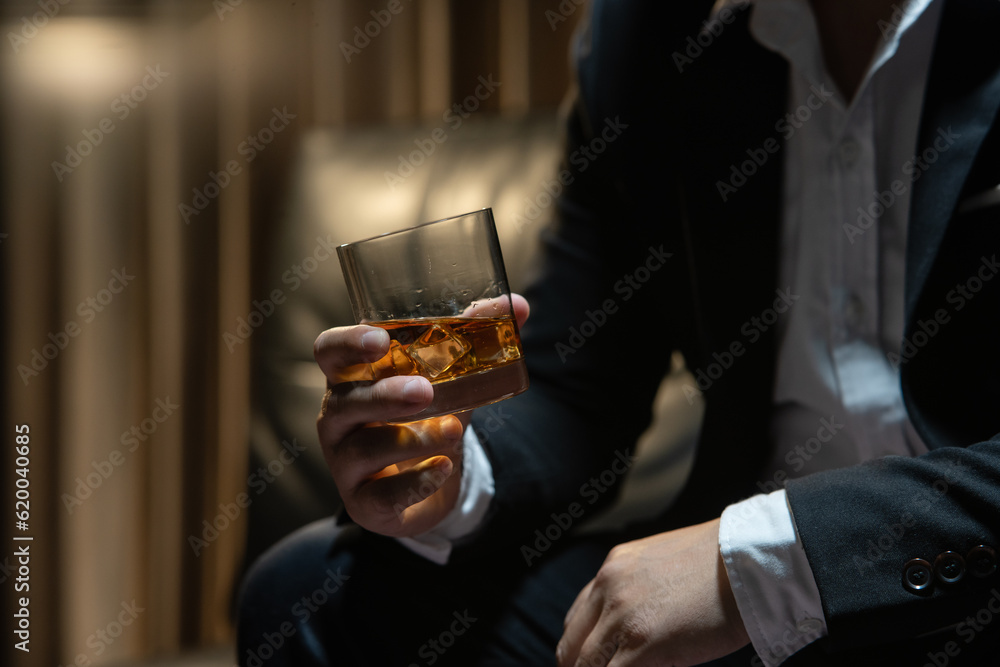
point(101, 571)
point(29, 221)
point(514, 56)
point(228, 447)
point(475, 37)
point(550, 39)
point(402, 66)
point(326, 31)
point(165, 314)
point(434, 57)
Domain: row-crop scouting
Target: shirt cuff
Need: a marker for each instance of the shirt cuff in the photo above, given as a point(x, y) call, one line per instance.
point(774, 586)
point(474, 497)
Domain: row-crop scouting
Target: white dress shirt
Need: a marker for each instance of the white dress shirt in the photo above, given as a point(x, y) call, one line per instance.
point(837, 396)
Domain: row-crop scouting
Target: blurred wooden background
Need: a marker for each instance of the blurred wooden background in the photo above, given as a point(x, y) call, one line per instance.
point(116, 298)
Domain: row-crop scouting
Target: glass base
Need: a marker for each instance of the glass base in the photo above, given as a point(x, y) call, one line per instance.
point(473, 391)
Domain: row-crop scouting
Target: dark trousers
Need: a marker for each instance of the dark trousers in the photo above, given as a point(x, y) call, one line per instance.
point(330, 595)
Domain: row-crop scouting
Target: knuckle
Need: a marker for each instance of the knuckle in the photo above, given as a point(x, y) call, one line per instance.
point(609, 569)
point(617, 552)
point(613, 603)
point(633, 633)
point(327, 342)
point(607, 579)
point(317, 346)
point(618, 560)
point(602, 576)
point(381, 396)
point(407, 437)
point(332, 402)
point(343, 399)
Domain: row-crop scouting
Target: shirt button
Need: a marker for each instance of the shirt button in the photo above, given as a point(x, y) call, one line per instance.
point(850, 151)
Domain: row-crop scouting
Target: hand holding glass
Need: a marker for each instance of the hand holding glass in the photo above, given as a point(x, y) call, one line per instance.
point(440, 291)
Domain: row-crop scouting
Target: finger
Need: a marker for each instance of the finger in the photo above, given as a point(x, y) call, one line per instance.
point(580, 621)
point(498, 307)
point(521, 309)
point(348, 406)
point(600, 648)
point(387, 449)
point(344, 347)
point(578, 603)
point(403, 503)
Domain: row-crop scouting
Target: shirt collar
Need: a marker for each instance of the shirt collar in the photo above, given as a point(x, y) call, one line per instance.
point(788, 27)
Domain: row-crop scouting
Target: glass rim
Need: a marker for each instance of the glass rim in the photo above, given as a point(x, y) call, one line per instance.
point(415, 227)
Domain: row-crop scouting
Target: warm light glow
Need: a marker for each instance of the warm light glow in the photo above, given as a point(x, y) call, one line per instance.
point(372, 209)
point(77, 59)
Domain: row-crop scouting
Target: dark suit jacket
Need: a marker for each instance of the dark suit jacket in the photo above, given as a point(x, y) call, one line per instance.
point(653, 188)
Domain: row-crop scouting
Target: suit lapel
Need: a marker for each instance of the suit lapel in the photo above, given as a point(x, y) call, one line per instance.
point(961, 102)
point(734, 95)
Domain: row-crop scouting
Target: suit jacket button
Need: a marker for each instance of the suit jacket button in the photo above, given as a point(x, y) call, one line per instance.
point(949, 567)
point(917, 576)
point(982, 561)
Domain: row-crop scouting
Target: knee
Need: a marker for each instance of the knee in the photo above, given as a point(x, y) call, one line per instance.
point(261, 590)
point(282, 590)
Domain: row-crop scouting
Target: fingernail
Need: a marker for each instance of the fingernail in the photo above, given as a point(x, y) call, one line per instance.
point(374, 340)
point(413, 390)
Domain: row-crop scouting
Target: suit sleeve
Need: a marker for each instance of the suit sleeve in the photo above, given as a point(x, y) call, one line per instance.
point(611, 300)
point(597, 344)
point(862, 526)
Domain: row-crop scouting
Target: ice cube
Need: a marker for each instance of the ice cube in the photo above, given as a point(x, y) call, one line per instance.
point(395, 362)
point(494, 344)
point(401, 361)
point(438, 349)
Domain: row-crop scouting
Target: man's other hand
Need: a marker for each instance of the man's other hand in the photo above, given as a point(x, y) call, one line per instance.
point(661, 600)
